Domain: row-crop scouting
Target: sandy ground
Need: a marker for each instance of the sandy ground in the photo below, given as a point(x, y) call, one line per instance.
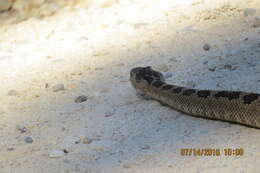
point(91, 51)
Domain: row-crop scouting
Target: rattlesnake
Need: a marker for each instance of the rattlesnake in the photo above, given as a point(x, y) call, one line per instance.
point(232, 106)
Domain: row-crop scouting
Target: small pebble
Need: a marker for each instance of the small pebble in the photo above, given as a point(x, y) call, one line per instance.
point(227, 66)
point(65, 151)
point(58, 87)
point(206, 47)
point(56, 153)
point(81, 99)
point(77, 141)
point(22, 129)
point(49, 57)
point(126, 166)
point(13, 93)
point(10, 149)
point(212, 68)
point(86, 140)
point(47, 85)
point(28, 139)
point(108, 115)
point(146, 147)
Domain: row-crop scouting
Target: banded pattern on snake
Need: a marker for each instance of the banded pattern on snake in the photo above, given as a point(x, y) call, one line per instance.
point(232, 106)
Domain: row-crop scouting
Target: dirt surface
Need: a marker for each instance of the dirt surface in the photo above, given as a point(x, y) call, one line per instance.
point(67, 104)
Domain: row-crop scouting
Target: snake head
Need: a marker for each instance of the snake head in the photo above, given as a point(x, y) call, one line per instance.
point(141, 77)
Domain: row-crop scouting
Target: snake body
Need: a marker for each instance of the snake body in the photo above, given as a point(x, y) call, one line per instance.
point(232, 106)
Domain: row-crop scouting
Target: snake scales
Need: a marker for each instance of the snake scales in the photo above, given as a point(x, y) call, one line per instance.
point(232, 106)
